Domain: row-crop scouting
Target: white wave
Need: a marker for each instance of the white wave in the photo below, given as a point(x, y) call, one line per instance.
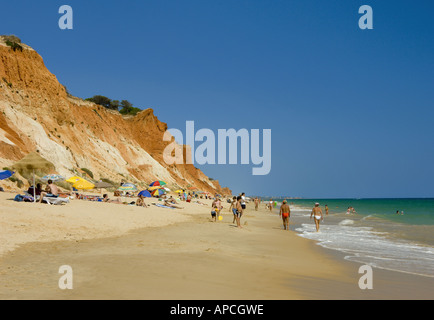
point(346, 222)
point(362, 244)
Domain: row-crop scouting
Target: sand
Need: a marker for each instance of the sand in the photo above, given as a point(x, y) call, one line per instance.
point(124, 252)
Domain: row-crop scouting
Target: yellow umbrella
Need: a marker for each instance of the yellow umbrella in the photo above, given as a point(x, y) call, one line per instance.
point(80, 183)
point(83, 185)
point(74, 179)
point(179, 191)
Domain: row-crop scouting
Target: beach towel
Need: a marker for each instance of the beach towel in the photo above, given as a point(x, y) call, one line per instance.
point(21, 198)
point(161, 206)
point(28, 198)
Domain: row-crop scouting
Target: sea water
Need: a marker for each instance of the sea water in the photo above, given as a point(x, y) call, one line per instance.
point(375, 234)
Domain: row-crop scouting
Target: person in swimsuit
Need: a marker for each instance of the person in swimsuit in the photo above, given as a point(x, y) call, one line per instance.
point(285, 213)
point(256, 203)
point(317, 213)
point(233, 207)
point(243, 201)
point(50, 191)
point(239, 211)
point(141, 202)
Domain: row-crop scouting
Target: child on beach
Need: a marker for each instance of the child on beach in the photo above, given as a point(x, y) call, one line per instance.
point(214, 210)
point(233, 207)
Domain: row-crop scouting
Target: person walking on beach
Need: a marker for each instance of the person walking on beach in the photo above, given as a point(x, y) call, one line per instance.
point(317, 213)
point(256, 203)
point(285, 213)
point(243, 201)
point(327, 210)
point(270, 205)
point(239, 211)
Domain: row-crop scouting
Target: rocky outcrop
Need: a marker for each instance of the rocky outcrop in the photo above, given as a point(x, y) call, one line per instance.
point(37, 114)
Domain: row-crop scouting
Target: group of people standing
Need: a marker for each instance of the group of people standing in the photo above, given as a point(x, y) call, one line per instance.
point(238, 205)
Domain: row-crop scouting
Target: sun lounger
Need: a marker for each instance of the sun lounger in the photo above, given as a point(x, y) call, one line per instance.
point(56, 201)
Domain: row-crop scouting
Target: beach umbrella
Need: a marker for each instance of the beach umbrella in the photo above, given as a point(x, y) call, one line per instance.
point(80, 183)
point(74, 179)
point(145, 193)
point(128, 187)
point(154, 188)
point(31, 162)
point(102, 184)
point(157, 183)
point(83, 185)
point(53, 177)
point(158, 192)
point(179, 191)
point(6, 174)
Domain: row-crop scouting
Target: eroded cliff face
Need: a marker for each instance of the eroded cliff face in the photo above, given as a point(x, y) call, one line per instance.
point(37, 114)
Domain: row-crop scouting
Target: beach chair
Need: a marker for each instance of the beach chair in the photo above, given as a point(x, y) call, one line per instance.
point(56, 201)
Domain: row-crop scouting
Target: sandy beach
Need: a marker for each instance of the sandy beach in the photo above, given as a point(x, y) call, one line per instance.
point(127, 252)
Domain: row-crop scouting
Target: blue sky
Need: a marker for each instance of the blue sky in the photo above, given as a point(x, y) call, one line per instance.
point(350, 110)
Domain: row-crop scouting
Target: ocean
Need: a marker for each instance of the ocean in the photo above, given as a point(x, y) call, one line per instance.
point(375, 234)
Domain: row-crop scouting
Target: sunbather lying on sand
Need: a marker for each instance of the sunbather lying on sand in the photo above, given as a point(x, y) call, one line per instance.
point(107, 199)
point(169, 204)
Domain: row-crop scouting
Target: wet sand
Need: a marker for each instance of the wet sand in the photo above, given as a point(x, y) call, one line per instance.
point(198, 259)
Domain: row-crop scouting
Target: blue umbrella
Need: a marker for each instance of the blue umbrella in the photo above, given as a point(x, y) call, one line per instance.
point(145, 193)
point(6, 174)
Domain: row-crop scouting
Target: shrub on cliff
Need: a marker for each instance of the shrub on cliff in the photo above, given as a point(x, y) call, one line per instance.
point(13, 42)
point(88, 172)
point(126, 106)
point(105, 102)
point(130, 111)
point(12, 38)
